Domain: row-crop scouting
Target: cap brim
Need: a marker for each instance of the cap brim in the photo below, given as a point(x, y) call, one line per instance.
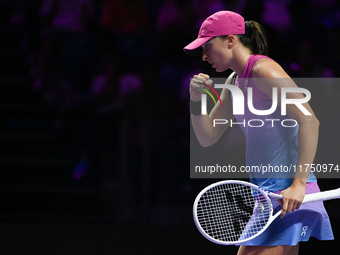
point(192, 48)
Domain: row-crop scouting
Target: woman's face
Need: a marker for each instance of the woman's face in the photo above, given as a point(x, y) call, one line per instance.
point(216, 52)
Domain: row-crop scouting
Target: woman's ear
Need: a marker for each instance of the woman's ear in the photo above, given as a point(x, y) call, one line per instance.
point(230, 41)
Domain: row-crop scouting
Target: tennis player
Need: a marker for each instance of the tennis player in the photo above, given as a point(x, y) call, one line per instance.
point(228, 42)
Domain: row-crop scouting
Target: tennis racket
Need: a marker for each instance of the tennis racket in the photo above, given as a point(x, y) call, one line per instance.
point(234, 212)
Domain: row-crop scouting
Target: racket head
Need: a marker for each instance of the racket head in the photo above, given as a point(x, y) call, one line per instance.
point(232, 212)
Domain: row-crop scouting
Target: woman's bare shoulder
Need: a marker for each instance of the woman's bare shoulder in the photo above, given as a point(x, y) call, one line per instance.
point(268, 68)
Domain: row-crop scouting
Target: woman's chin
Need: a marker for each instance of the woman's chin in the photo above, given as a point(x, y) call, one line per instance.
point(220, 70)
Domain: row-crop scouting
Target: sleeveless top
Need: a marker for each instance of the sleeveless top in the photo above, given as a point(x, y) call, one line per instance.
point(271, 146)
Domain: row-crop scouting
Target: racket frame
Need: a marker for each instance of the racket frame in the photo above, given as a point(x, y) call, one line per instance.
point(264, 192)
point(314, 197)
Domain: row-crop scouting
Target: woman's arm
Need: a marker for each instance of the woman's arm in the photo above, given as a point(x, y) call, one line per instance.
point(203, 126)
point(308, 132)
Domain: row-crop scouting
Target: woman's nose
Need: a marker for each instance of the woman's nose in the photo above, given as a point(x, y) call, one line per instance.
point(204, 57)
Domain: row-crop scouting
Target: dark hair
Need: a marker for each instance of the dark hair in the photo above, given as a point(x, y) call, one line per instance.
point(255, 38)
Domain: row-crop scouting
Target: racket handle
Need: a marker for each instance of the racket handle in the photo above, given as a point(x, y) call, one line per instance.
point(322, 196)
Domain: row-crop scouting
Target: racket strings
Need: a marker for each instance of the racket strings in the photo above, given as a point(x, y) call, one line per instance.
point(232, 212)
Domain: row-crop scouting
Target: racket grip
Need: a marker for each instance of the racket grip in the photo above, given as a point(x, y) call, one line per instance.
point(322, 196)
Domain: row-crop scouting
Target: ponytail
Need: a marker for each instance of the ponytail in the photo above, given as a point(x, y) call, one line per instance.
point(255, 38)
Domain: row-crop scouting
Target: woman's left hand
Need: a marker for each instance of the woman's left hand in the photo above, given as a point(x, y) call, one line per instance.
point(292, 198)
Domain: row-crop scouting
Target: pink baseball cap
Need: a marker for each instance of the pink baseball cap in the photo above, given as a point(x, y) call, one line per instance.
point(218, 24)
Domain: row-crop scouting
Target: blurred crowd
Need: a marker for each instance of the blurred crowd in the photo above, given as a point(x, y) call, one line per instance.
point(117, 71)
point(109, 47)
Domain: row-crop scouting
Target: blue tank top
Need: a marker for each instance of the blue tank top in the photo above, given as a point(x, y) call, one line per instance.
point(271, 148)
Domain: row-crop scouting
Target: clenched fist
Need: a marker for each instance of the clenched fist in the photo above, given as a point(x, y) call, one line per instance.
point(199, 81)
